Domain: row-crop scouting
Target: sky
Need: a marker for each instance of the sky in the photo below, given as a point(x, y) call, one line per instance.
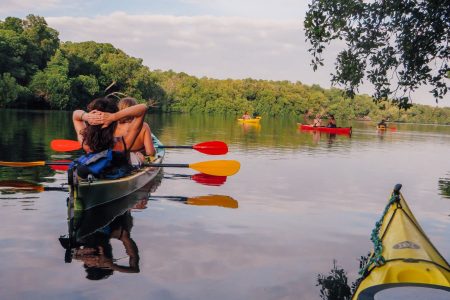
point(260, 39)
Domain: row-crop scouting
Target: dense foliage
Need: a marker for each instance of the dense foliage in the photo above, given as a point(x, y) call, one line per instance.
point(400, 45)
point(37, 71)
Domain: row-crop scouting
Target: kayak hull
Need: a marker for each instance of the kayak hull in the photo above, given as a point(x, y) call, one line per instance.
point(410, 257)
point(335, 130)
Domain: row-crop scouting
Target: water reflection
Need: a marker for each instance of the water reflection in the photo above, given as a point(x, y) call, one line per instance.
point(444, 186)
point(334, 286)
point(91, 231)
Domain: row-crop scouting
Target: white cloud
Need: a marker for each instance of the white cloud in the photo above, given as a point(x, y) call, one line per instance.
point(218, 47)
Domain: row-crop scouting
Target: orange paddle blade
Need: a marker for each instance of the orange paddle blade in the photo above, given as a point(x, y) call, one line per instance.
point(22, 164)
point(65, 145)
point(217, 167)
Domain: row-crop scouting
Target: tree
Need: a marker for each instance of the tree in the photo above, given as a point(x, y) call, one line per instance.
point(402, 41)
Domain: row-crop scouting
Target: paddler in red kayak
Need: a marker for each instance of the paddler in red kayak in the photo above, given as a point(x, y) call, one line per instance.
point(317, 121)
point(331, 121)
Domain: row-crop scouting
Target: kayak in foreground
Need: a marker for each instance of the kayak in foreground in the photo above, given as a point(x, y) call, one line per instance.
point(87, 193)
point(403, 256)
point(335, 130)
point(255, 120)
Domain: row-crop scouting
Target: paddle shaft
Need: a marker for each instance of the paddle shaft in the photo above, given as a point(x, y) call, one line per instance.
point(176, 147)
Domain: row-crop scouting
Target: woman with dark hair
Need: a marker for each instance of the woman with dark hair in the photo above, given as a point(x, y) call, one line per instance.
point(95, 127)
point(331, 121)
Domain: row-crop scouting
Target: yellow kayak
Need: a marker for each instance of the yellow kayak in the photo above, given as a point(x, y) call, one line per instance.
point(255, 120)
point(403, 255)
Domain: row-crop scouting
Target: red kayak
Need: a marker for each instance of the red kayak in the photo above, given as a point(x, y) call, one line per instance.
point(335, 130)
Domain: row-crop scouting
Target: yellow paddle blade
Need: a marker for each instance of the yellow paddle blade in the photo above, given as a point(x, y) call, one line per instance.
point(22, 164)
point(213, 200)
point(217, 167)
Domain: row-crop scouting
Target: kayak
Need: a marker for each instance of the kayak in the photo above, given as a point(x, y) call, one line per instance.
point(406, 257)
point(254, 120)
point(88, 193)
point(335, 130)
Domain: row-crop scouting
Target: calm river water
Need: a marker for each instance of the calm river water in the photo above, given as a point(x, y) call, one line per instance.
point(303, 200)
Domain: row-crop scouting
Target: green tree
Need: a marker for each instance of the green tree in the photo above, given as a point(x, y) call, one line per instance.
point(407, 40)
point(9, 89)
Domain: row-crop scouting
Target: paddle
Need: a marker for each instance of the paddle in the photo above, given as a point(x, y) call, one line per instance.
point(209, 200)
point(211, 147)
point(211, 167)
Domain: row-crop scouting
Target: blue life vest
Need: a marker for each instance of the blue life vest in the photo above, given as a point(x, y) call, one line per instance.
point(107, 164)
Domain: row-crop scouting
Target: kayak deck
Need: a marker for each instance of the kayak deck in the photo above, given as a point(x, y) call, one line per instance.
point(408, 258)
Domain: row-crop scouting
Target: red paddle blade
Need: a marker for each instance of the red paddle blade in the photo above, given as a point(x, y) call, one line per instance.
point(209, 179)
point(65, 145)
point(212, 148)
point(61, 167)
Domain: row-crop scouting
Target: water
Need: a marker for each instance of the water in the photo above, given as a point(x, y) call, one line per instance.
point(303, 200)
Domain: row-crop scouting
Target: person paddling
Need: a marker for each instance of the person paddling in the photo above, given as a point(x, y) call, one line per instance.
point(382, 124)
point(317, 121)
point(331, 121)
point(246, 116)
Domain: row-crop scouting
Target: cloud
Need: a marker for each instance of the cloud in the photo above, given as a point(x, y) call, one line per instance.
point(219, 47)
point(211, 46)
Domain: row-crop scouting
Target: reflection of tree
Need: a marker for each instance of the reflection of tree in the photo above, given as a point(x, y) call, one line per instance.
point(444, 186)
point(334, 286)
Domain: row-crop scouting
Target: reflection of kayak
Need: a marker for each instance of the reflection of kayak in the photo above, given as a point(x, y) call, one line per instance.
point(336, 130)
point(255, 120)
point(89, 193)
point(405, 256)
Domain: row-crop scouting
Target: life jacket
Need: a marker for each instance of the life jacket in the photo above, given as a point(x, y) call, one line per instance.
point(107, 164)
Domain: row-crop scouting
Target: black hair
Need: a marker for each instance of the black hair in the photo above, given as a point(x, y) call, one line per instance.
point(96, 137)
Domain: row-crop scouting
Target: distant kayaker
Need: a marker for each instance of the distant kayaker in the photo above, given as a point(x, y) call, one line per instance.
point(331, 121)
point(307, 117)
point(382, 124)
point(95, 127)
point(246, 116)
point(143, 143)
point(317, 121)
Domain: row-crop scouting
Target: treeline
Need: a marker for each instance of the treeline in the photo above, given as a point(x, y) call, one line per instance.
point(40, 72)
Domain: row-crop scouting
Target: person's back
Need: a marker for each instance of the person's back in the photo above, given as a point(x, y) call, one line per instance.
point(95, 131)
point(143, 144)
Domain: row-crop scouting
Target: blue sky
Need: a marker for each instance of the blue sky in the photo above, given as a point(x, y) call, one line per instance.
point(261, 39)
